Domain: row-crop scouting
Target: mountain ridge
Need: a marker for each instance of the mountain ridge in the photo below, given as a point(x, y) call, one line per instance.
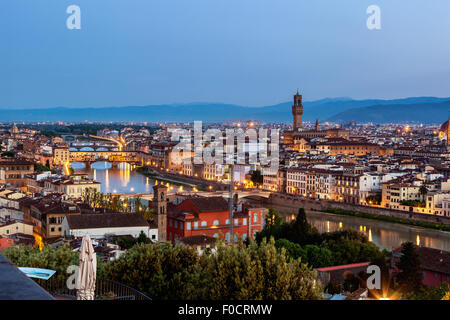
point(329, 109)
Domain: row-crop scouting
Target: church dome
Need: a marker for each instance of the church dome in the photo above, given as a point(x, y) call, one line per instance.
point(444, 127)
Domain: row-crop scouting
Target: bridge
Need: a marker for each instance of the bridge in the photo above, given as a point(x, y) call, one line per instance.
point(114, 143)
point(113, 157)
point(96, 146)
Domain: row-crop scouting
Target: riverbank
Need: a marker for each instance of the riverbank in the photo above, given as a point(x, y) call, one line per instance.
point(153, 176)
point(415, 223)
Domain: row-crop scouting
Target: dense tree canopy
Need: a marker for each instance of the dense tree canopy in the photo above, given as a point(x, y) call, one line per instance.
point(232, 272)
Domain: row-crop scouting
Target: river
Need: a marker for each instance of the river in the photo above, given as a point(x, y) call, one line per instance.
point(384, 234)
point(123, 179)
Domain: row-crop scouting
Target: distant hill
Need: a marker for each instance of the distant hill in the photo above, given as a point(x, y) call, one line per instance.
point(424, 109)
point(425, 112)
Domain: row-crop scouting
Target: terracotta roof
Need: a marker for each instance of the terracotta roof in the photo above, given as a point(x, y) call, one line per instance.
point(198, 240)
point(433, 259)
point(115, 220)
point(208, 204)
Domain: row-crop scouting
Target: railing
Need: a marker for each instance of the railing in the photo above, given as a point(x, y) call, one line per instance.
point(104, 290)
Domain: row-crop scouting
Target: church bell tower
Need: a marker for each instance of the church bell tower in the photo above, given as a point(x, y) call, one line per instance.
point(160, 206)
point(297, 111)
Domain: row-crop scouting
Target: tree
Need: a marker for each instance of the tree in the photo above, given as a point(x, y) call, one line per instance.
point(142, 238)
point(58, 259)
point(273, 228)
point(346, 251)
point(159, 271)
point(232, 272)
point(258, 272)
point(300, 230)
point(257, 178)
point(423, 191)
point(410, 276)
point(8, 154)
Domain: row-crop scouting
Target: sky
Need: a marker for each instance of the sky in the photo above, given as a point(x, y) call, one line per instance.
point(245, 52)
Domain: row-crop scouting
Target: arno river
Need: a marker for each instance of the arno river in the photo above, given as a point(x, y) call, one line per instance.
point(121, 179)
point(384, 234)
point(124, 179)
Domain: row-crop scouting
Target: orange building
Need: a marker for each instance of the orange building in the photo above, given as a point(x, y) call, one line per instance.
point(209, 216)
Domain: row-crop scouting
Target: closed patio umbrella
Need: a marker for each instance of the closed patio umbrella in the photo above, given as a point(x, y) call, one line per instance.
point(87, 271)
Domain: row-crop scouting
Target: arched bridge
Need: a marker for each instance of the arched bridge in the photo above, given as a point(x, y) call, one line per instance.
point(114, 157)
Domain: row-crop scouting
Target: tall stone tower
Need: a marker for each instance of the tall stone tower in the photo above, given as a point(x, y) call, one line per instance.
point(160, 206)
point(317, 125)
point(297, 111)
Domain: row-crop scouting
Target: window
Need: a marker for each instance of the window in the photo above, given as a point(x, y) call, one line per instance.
point(236, 222)
point(176, 224)
point(236, 237)
point(216, 222)
point(244, 221)
point(203, 224)
point(153, 236)
point(52, 229)
point(170, 222)
point(188, 226)
point(227, 221)
point(196, 225)
point(255, 217)
point(227, 236)
point(216, 235)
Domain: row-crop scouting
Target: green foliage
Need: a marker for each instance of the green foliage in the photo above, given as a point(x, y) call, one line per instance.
point(40, 168)
point(232, 272)
point(301, 240)
point(314, 256)
point(413, 203)
point(8, 154)
point(142, 238)
point(346, 251)
point(126, 243)
point(57, 259)
point(318, 257)
point(257, 177)
point(258, 272)
point(410, 277)
point(429, 293)
point(158, 270)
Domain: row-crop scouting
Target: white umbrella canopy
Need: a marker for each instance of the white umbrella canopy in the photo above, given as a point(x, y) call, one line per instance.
point(87, 271)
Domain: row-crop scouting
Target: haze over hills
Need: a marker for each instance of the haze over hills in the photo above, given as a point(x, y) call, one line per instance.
point(421, 109)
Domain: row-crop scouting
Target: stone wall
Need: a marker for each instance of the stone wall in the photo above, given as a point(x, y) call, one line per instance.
point(289, 204)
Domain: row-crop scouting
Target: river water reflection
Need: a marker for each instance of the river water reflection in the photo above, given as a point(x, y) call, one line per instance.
point(121, 179)
point(386, 235)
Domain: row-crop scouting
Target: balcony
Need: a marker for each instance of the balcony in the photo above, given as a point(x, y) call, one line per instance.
point(15, 285)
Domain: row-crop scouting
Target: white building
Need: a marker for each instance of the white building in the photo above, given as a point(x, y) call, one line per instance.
point(99, 226)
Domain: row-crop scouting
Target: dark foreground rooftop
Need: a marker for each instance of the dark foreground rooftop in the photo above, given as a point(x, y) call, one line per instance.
point(15, 285)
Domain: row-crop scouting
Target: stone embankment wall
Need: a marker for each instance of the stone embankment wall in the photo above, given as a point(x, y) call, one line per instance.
point(288, 204)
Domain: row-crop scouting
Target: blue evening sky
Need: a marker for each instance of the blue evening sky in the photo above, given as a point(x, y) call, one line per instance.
point(248, 52)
